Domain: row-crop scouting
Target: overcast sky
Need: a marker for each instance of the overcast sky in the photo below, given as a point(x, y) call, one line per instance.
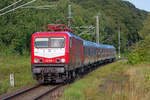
point(141, 4)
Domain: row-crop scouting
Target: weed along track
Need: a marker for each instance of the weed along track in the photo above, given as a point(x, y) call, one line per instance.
point(48, 94)
point(34, 93)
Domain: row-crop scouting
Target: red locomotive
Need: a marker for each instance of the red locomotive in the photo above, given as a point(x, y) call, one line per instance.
point(59, 56)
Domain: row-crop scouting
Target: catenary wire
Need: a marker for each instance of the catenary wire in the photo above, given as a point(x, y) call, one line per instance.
point(17, 7)
point(10, 5)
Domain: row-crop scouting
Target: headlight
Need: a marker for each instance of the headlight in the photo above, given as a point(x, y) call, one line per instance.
point(41, 60)
point(63, 60)
point(58, 60)
point(36, 60)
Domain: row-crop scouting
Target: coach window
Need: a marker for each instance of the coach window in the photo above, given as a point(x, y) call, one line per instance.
point(89, 51)
point(86, 51)
point(70, 43)
point(41, 42)
point(57, 42)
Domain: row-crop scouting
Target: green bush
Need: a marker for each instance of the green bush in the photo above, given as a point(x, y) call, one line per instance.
point(133, 58)
point(17, 27)
point(140, 52)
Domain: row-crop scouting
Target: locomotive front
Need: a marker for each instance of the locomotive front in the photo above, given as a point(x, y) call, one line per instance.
point(49, 56)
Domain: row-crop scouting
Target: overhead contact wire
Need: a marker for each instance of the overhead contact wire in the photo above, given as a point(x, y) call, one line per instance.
point(10, 5)
point(17, 7)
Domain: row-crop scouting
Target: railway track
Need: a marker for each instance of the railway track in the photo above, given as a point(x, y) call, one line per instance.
point(47, 92)
point(38, 92)
point(34, 93)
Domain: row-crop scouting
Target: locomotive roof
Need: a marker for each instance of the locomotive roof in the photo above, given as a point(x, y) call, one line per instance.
point(68, 33)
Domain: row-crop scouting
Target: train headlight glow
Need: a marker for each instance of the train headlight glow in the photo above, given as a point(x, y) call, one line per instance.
point(63, 60)
point(36, 60)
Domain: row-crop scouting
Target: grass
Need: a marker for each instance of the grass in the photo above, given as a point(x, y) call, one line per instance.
point(20, 67)
point(117, 81)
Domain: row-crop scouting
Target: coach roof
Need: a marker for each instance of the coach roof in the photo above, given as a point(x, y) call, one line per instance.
point(89, 43)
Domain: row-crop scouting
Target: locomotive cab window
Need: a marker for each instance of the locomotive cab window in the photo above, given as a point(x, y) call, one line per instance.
point(41, 42)
point(52, 42)
point(57, 42)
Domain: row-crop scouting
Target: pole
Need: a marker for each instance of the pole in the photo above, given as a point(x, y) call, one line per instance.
point(97, 29)
point(119, 42)
point(69, 18)
point(12, 82)
point(14, 5)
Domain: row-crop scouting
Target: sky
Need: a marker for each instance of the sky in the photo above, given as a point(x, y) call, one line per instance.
point(141, 4)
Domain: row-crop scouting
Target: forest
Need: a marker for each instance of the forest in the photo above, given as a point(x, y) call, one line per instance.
point(16, 27)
